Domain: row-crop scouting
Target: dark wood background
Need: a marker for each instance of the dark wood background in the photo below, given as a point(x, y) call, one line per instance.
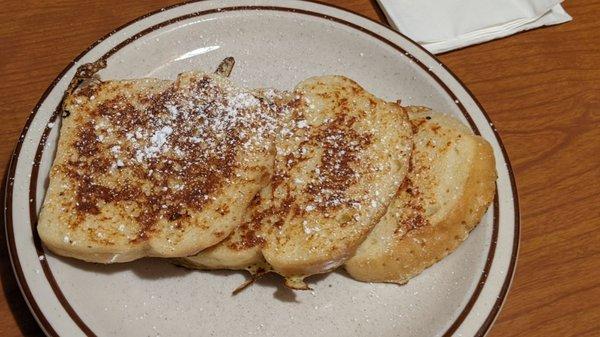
point(541, 88)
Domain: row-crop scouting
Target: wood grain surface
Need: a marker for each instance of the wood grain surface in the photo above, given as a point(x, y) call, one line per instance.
point(541, 88)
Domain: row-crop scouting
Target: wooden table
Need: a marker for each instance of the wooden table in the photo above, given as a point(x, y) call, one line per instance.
point(541, 88)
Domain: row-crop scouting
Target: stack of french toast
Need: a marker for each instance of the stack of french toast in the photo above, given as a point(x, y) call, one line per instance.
point(301, 182)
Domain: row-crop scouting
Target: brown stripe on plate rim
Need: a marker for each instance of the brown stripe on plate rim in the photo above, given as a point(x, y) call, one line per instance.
point(33, 180)
point(13, 255)
point(517, 215)
point(12, 252)
point(8, 201)
point(483, 278)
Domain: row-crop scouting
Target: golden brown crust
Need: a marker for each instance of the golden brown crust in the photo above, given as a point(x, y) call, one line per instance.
point(324, 155)
point(242, 249)
point(339, 174)
point(417, 248)
point(155, 168)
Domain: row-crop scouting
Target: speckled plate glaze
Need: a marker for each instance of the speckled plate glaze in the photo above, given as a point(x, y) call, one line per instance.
point(275, 43)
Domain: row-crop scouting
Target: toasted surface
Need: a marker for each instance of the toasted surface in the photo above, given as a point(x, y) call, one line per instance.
point(337, 167)
point(449, 188)
point(155, 168)
point(242, 249)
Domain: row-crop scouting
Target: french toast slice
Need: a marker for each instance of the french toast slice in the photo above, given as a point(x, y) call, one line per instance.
point(154, 167)
point(449, 188)
point(339, 163)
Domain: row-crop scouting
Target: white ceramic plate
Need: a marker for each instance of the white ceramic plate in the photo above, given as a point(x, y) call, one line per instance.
point(275, 43)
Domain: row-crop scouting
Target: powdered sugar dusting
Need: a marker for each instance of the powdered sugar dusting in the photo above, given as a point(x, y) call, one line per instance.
point(171, 146)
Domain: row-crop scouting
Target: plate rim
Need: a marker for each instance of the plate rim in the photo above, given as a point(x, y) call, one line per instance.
point(10, 174)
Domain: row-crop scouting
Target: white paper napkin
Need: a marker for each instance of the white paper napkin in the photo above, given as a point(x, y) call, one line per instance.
point(442, 25)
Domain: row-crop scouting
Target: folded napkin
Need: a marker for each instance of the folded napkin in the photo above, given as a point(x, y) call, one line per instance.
point(442, 25)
